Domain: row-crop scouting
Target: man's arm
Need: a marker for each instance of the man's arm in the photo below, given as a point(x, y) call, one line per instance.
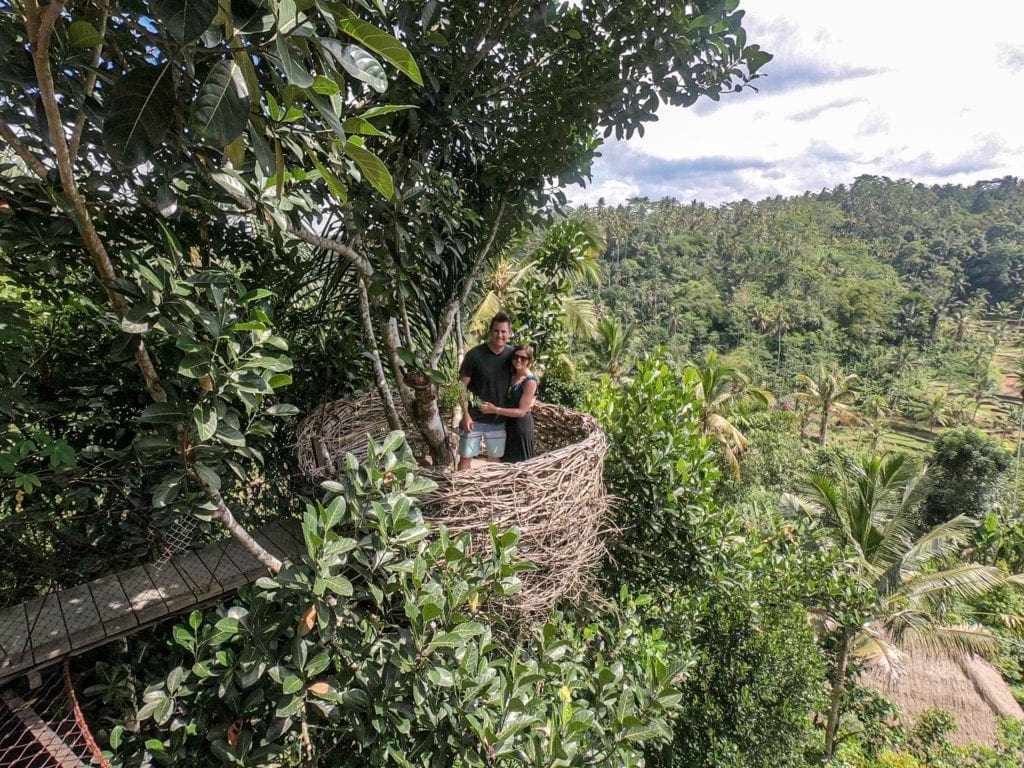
point(466, 421)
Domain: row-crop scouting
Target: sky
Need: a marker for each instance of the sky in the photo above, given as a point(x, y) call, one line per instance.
point(928, 90)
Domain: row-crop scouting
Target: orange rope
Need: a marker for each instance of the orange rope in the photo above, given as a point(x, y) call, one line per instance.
point(80, 719)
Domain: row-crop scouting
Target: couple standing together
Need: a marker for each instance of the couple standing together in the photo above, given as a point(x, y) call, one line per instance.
point(499, 376)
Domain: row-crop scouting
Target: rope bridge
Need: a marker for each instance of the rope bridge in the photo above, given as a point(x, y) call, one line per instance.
point(42, 727)
point(73, 620)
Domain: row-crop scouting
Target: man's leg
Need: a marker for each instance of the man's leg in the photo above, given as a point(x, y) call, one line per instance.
point(495, 440)
point(469, 446)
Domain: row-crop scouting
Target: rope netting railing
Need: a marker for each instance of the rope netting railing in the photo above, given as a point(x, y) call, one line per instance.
point(42, 726)
point(46, 550)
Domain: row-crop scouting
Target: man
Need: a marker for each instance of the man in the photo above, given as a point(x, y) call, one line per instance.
point(485, 373)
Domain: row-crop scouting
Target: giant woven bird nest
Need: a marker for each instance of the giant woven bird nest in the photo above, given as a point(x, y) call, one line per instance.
point(556, 499)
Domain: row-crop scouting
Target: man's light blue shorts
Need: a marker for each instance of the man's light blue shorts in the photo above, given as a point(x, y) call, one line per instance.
point(494, 441)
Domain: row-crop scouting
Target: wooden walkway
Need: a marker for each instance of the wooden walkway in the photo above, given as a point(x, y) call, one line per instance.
point(74, 620)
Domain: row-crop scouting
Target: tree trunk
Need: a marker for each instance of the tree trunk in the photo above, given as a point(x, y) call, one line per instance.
point(39, 24)
point(823, 435)
point(836, 696)
point(933, 324)
point(419, 399)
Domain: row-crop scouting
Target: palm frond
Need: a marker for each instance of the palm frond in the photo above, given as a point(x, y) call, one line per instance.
point(963, 581)
point(941, 541)
point(580, 316)
point(488, 307)
point(952, 640)
point(873, 647)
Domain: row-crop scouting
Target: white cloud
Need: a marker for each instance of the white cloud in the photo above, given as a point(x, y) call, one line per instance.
point(613, 192)
point(929, 90)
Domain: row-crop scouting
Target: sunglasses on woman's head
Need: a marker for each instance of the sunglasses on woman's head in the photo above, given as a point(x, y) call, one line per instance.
point(524, 358)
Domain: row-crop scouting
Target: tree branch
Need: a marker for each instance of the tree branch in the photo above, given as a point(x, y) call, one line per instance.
point(378, 367)
point(89, 82)
point(39, 23)
point(357, 260)
point(224, 515)
point(34, 163)
point(444, 328)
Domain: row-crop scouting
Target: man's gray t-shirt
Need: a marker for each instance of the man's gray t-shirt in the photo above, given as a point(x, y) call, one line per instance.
point(489, 376)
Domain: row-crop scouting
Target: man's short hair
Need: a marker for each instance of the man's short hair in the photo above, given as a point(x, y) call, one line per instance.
point(501, 317)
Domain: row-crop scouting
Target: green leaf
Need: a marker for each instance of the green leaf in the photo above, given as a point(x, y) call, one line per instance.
point(372, 167)
point(360, 126)
point(140, 318)
point(288, 706)
point(359, 63)
point(221, 110)
point(317, 664)
point(386, 109)
point(339, 585)
point(381, 43)
point(26, 482)
point(205, 417)
point(210, 478)
point(334, 184)
point(140, 109)
point(82, 34)
point(294, 70)
point(228, 434)
point(325, 86)
point(283, 409)
point(164, 413)
point(185, 20)
point(167, 490)
point(291, 684)
point(441, 677)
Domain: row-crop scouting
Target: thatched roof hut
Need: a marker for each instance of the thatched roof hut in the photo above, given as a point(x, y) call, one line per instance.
point(968, 687)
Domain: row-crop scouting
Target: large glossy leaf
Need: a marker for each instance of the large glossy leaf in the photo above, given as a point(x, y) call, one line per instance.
point(185, 20)
point(372, 167)
point(381, 43)
point(293, 67)
point(221, 110)
point(140, 109)
point(82, 34)
point(358, 63)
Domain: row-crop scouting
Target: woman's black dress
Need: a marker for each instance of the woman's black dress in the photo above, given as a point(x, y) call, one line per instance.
point(518, 431)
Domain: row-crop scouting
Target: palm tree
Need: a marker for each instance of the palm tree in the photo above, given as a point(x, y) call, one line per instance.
point(982, 390)
point(720, 389)
point(932, 409)
point(1018, 371)
point(869, 509)
point(779, 323)
point(612, 342)
point(830, 392)
point(563, 256)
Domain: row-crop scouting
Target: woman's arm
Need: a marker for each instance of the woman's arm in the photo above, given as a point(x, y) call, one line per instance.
point(525, 402)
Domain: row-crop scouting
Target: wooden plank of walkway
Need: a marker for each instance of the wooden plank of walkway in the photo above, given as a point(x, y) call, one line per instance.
point(196, 575)
point(52, 744)
point(81, 617)
point(224, 571)
point(286, 540)
point(14, 639)
point(113, 606)
point(143, 594)
point(76, 619)
point(171, 586)
point(47, 631)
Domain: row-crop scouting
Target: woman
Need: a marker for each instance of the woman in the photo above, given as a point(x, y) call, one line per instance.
point(522, 394)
